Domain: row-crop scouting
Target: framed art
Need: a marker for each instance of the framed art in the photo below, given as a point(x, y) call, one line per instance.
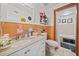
point(59, 20)
point(69, 20)
point(63, 20)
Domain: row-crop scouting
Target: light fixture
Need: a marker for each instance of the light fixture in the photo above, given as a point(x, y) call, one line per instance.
point(16, 12)
point(28, 5)
point(67, 13)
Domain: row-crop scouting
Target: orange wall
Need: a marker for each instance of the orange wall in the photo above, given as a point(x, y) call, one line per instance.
point(50, 31)
point(0, 29)
point(11, 28)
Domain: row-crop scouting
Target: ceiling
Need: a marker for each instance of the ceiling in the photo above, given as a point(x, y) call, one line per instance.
point(30, 7)
point(41, 5)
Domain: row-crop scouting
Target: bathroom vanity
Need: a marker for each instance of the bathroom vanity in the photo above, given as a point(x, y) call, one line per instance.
point(31, 46)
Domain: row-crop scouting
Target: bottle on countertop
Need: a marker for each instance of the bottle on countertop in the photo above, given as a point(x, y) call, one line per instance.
point(30, 31)
point(43, 30)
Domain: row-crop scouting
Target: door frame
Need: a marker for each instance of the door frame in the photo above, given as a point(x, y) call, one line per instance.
point(77, 26)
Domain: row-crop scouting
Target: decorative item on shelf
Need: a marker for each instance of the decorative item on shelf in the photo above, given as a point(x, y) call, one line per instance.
point(29, 18)
point(69, 20)
point(23, 19)
point(63, 20)
point(5, 41)
point(20, 29)
point(43, 18)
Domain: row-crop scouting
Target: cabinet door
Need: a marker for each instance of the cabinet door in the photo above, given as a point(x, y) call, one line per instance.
point(13, 14)
point(34, 49)
point(37, 49)
point(41, 50)
point(3, 12)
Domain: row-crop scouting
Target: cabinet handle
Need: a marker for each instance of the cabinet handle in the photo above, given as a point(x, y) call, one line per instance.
point(43, 43)
point(26, 51)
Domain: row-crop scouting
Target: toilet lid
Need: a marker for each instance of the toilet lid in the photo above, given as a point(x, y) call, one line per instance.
point(52, 43)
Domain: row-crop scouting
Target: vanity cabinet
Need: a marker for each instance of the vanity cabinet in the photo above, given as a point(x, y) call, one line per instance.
point(35, 49)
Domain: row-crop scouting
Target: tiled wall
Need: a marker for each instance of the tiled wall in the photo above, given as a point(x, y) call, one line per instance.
point(11, 28)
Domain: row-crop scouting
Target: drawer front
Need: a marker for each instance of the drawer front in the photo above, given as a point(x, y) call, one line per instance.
point(27, 51)
point(22, 52)
point(36, 49)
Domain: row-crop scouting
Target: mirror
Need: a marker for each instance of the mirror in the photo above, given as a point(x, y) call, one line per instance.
point(66, 27)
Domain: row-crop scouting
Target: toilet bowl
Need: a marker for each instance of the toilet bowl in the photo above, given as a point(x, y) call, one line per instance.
point(51, 47)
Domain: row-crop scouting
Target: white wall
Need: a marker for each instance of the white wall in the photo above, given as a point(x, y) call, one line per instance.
point(37, 9)
point(49, 10)
point(0, 11)
point(26, 11)
point(50, 15)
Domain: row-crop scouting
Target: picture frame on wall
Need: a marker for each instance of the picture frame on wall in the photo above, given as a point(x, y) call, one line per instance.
point(63, 20)
point(59, 20)
point(69, 20)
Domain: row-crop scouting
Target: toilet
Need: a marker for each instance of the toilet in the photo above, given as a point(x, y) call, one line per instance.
point(51, 47)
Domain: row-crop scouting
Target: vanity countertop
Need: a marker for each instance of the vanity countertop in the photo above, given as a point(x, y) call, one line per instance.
point(19, 44)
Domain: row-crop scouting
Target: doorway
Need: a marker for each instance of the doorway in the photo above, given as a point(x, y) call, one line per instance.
point(65, 26)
